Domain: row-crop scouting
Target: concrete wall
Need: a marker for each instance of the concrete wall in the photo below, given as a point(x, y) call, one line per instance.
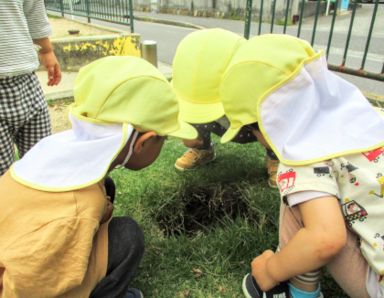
point(76, 52)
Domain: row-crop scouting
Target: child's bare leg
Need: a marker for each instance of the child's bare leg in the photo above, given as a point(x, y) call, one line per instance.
point(203, 141)
point(290, 224)
point(349, 269)
point(196, 143)
point(308, 282)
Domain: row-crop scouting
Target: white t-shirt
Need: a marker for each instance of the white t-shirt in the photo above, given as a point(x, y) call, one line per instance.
point(358, 182)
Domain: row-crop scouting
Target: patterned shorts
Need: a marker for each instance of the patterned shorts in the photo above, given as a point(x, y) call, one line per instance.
point(24, 117)
point(219, 127)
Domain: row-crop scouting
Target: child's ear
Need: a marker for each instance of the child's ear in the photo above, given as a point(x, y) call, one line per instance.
point(142, 139)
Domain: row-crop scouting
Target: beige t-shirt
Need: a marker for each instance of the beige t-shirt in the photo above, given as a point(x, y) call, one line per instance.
point(51, 243)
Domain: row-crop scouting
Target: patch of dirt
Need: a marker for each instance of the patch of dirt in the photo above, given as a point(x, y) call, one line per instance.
point(59, 116)
point(201, 208)
point(60, 27)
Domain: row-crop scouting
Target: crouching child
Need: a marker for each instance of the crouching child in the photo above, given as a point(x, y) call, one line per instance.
point(329, 141)
point(57, 234)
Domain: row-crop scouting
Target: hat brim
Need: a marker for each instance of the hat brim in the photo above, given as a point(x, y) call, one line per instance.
point(186, 131)
point(86, 153)
point(229, 134)
point(199, 113)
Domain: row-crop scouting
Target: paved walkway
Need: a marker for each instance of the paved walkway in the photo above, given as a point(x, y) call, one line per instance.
point(361, 22)
point(65, 88)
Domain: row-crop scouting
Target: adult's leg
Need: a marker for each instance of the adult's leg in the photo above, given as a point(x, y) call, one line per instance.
point(125, 250)
point(6, 149)
point(11, 114)
point(37, 124)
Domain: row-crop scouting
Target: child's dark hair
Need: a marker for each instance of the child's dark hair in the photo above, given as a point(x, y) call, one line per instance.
point(254, 125)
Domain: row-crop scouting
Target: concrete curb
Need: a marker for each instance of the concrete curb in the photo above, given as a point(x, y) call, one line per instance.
point(169, 22)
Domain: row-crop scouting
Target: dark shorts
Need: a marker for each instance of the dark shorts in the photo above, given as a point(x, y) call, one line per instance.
point(219, 127)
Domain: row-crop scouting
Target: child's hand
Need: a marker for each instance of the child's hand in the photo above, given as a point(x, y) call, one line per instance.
point(49, 60)
point(260, 272)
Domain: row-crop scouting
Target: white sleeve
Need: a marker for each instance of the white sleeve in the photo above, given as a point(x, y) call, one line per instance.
point(303, 196)
point(375, 288)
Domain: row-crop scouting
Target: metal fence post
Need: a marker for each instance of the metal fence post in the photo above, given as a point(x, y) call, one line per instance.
point(149, 51)
point(248, 19)
point(62, 8)
point(131, 16)
point(88, 10)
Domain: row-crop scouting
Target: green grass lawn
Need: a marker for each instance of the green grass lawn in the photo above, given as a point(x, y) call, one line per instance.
point(202, 228)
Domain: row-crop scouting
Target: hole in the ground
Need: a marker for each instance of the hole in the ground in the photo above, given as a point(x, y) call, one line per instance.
point(198, 208)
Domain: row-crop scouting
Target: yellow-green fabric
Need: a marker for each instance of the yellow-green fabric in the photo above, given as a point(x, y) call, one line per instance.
point(199, 63)
point(126, 89)
point(256, 70)
point(113, 96)
point(305, 112)
point(51, 244)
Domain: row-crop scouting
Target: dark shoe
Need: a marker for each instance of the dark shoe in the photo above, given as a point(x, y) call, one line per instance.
point(252, 290)
point(133, 293)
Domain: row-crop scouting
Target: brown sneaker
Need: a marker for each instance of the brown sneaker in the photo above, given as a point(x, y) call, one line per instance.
point(194, 158)
point(271, 165)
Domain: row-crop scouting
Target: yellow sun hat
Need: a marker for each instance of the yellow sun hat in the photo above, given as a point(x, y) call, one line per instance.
point(306, 113)
point(255, 70)
point(199, 63)
point(114, 96)
point(127, 89)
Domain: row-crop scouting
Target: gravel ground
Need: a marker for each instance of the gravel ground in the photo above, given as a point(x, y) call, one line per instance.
point(60, 27)
point(59, 116)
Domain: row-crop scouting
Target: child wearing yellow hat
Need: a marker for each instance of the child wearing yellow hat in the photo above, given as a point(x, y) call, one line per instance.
point(200, 61)
point(329, 141)
point(57, 236)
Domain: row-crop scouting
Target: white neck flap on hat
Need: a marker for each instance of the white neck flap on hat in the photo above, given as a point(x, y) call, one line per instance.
point(72, 159)
point(317, 116)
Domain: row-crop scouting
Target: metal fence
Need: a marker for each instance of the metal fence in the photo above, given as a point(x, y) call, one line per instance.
point(116, 11)
point(360, 56)
point(376, 69)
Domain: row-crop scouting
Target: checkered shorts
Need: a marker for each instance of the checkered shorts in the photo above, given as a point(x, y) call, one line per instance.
point(24, 117)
